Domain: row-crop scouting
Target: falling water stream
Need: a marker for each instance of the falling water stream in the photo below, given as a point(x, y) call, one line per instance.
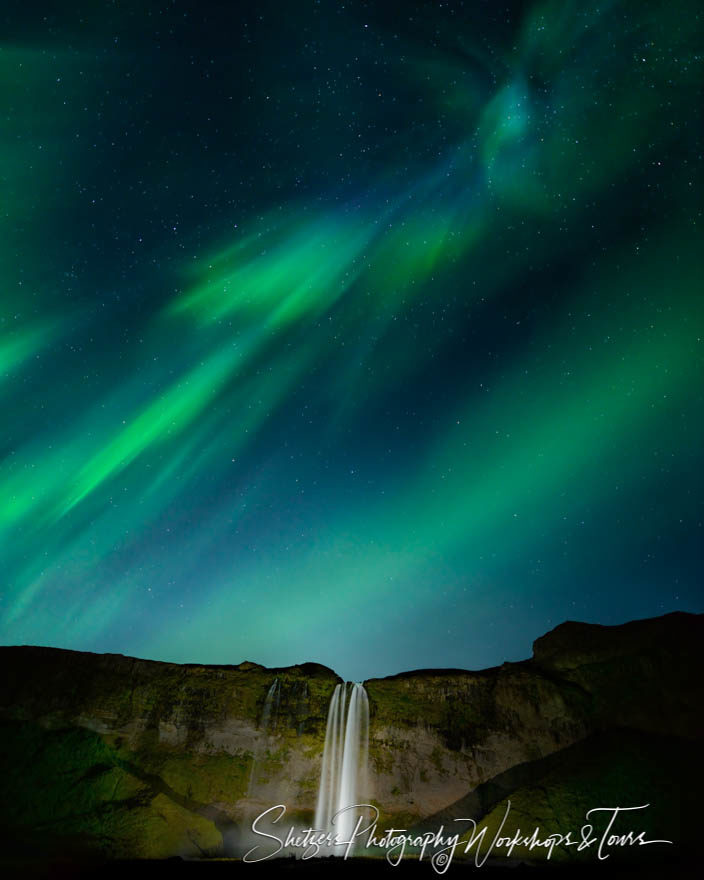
point(343, 777)
point(270, 712)
point(271, 705)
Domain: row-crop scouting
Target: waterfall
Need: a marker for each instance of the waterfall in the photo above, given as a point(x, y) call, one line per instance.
point(271, 705)
point(343, 777)
point(269, 717)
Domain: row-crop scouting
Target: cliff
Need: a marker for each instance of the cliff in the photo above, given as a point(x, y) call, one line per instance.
point(133, 758)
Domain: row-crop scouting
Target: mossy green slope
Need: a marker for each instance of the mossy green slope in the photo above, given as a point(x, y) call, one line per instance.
point(67, 789)
point(620, 768)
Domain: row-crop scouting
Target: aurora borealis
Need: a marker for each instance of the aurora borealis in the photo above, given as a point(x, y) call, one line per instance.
point(361, 333)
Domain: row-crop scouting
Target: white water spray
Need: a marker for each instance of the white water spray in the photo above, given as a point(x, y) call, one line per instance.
point(343, 777)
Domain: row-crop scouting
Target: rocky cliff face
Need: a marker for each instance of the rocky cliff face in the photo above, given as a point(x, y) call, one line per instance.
point(105, 753)
point(132, 757)
point(437, 734)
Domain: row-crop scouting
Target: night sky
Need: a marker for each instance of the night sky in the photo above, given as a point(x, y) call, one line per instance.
point(366, 333)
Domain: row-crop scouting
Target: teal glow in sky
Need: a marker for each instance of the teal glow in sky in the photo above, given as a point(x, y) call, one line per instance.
point(370, 336)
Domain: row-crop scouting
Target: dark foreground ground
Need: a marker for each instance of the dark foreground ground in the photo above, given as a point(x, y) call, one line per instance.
point(683, 867)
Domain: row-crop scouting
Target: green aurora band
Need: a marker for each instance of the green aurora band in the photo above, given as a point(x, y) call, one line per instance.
point(411, 418)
